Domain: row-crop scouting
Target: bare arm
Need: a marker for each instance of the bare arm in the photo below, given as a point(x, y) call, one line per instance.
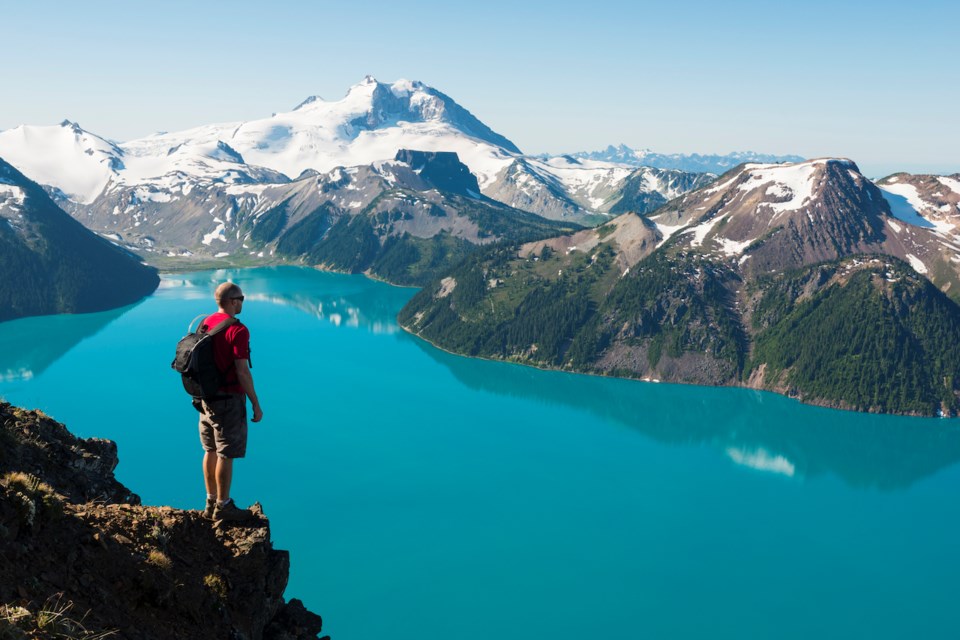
point(246, 381)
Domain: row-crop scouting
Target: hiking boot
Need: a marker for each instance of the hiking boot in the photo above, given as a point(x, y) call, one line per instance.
point(211, 506)
point(230, 513)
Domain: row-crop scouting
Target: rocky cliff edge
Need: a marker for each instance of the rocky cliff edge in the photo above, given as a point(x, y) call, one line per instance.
point(80, 557)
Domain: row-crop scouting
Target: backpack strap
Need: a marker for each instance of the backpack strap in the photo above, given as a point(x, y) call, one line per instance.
point(220, 327)
point(212, 332)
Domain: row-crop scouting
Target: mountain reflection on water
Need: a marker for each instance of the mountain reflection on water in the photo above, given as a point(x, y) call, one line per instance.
point(28, 346)
point(353, 302)
point(757, 429)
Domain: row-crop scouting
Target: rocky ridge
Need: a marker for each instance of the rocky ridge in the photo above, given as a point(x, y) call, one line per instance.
point(80, 557)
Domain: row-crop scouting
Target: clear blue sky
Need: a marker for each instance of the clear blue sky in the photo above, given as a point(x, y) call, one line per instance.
point(877, 82)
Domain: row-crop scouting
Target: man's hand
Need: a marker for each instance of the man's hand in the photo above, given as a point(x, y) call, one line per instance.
point(257, 413)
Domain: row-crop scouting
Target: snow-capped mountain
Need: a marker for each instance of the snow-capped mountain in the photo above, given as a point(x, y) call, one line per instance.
point(565, 188)
point(789, 215)
point(372, 122)
point(404, 220)
point(419, 204)
point(774, 217)
point(766, 218)
point(695, 162)
point(649, 188)
point(66, 157)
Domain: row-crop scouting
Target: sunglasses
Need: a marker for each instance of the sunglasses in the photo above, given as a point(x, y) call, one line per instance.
point(240, 298)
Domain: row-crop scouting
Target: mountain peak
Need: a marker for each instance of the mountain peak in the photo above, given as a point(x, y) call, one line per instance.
point(369, 83)
point(308, 101)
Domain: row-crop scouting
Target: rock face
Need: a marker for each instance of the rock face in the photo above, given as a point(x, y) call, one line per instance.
point(75, 541)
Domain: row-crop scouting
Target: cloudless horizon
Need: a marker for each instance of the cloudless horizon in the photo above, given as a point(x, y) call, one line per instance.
point(878, 85)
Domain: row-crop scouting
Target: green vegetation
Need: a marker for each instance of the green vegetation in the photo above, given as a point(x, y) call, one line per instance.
point(50, 263)
point(678, 304)
point(862, 334)
point(564, 311)
point(375, 241)
point(886, 340)
point(508, 307)
point(269, 224)
point(302, 237)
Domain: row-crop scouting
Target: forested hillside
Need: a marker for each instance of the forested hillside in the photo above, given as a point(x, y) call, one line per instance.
point(50, 263)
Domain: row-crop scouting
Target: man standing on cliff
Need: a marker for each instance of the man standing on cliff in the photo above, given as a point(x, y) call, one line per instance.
point(223, 419)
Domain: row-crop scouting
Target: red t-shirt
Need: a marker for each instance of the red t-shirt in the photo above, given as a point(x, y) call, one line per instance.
point(233, 343)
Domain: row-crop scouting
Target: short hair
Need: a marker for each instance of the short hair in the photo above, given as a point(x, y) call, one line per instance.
point(225, 291)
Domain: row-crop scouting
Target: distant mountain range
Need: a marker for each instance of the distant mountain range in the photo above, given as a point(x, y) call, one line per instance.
point(182, 198)
point(797, 278)
point(50, 263)
point(694, 163)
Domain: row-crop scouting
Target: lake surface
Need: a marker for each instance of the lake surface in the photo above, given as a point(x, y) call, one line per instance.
point(432, 497)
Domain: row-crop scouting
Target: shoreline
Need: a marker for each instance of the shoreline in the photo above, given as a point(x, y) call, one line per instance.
point(797, 399)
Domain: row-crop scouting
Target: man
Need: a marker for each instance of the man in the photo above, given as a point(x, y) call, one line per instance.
point(223, 419)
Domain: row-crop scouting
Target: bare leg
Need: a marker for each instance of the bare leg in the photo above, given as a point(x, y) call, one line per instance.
point(209, 472)
point(224, 478)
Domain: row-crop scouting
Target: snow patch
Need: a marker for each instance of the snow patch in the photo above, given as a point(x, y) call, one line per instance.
point(667, 231)
point(789, 181)
point(216, 234)
point(905, 204)
point(732, 247)
point(13, 195)
point(950, 183)
point(916, 263)
point(700, 231)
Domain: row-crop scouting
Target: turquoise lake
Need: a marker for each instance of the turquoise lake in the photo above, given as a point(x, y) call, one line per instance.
point(432, 497)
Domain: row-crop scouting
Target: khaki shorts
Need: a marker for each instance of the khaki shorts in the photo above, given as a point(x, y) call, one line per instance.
point(223, 425)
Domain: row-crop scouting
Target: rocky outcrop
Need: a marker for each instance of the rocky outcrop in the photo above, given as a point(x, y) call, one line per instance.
point(80, 556)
